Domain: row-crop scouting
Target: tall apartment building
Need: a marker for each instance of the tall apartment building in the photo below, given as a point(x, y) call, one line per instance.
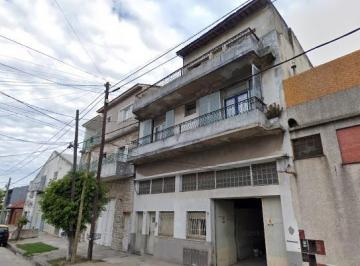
point(113, 225)
point(212, 183)
point(323, 112)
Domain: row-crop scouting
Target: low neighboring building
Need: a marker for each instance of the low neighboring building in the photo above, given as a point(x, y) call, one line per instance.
point(15, 204)
point(113, 225)
point(323, 112)
point(56, 167)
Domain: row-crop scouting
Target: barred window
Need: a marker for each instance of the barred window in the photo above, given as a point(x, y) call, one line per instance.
point(144, 187)
point(189, 182)
point(264, 174)
point(166, 226)
point(196, 225)
point(233, 177)
point(307, 147)
point(157, 186)
point(169, 184)
point(206, 180)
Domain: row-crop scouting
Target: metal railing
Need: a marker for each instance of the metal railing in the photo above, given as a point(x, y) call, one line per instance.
point(90, 142)
point(203, 120)
point(237, 39)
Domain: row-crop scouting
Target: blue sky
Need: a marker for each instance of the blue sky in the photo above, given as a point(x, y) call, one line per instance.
point(118, 36)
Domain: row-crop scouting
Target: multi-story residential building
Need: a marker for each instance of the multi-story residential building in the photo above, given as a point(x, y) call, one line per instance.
point(323, 112)
point(212, 186)
point(113, 225)
point(56, 167)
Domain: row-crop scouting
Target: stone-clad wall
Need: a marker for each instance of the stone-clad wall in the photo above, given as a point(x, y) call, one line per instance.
point(122, 191)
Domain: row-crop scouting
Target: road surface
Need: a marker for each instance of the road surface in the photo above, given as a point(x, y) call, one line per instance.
point(7, 258)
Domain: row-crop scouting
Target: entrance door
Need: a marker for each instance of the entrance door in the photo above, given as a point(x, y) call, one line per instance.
point(104, 225)
point(236, 105)
point(150, 239)
point(126, 234)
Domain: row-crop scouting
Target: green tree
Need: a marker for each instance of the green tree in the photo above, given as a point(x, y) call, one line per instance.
point(2, 194)
point(58, 209)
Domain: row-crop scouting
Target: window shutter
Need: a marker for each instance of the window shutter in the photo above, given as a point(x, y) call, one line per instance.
point(145, 128)
point(214, 101)
point(209, 103)
point(255, 83)
point(169, 118)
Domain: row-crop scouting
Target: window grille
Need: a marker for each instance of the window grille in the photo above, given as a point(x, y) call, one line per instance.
point(233, 177)
point(196, 225)
point(144, 187)
point(206, 180)
point(189, 182)
point(157, 186)
point(264, 174)
point(166, 227)
point(169, 184)
point(307, 147)
point(190, 108)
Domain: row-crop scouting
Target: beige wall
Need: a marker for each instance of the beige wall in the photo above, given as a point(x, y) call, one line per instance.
point(228, 153)
point(328, 198)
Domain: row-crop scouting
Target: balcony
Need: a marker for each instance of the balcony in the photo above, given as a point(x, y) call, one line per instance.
point(230, 123)
point(114, 166)
point(213, 69)
point(89, 143)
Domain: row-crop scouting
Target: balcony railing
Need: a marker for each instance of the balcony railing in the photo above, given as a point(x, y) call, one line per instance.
point(114, 164)
point(90, 142)
point(237, 39)
point(203, 120)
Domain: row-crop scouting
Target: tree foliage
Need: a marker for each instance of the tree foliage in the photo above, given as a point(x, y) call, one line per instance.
point(2, 195)
point(57, 207)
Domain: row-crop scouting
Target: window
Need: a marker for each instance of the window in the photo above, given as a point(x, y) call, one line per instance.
point(166, 227)
point(169, 184)
point(144, 187)
point(264, 174)
point(157, 185)
point(206, 180)
point(307, 147)
point(233, 177)
point(56, 175)
point(349, 142)
point(190, 108)
point(125, 114)
point(189, 182)
point(236, 105)
point(109, 119)
point(196, 225)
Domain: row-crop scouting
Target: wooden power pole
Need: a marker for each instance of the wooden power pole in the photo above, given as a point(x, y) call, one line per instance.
point(98, 174)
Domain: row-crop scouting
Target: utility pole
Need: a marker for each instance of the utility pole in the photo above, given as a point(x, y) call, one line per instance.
point(2, 216)
point(98, 174)
point(75, 146)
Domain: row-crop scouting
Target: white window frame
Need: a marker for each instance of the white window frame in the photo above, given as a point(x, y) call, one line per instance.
point(125, 114)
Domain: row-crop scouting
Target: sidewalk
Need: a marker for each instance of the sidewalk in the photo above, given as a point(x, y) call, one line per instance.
point(108, 256)
point(100, 252)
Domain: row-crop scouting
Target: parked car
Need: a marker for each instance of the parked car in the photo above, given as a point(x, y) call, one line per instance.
point(4, 235)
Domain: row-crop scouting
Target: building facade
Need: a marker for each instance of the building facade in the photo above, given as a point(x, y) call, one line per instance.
point(323, 112)
point(113, 224)
point(14, 203)
point(56, 167)
point(212, 186)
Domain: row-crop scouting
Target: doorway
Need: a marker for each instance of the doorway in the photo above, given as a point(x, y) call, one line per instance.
point(151, 235)
point(239, 232)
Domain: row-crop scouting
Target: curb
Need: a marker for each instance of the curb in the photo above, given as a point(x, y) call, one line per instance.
point(19, 252)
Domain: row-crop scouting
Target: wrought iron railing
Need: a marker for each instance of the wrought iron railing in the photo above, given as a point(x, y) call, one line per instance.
point(203, 120)
point(237, 39)
point(90, 142)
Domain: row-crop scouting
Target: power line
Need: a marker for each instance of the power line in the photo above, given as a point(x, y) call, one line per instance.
point(78, 38)
point(32, 141)
point(183, 42)
point(39, 77)
point(31, 107)
point(20, 154)
point(47, 55)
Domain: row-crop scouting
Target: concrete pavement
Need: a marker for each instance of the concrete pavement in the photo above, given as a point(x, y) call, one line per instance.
point(8, 258)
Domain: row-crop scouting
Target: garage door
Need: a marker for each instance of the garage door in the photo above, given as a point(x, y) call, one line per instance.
point(104, 225)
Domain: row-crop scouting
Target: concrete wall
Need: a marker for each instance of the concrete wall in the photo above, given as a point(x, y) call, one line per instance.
point(328, 197)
